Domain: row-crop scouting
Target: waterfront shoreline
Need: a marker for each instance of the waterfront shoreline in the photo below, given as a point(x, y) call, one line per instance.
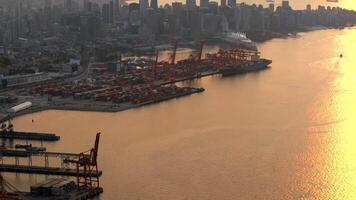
point(96, 107)
point(280, 35)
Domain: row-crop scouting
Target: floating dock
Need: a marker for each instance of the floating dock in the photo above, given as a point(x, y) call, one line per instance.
point(29, 136)
point(46, 170)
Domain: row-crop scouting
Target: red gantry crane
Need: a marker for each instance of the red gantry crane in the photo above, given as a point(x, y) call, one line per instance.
point(87, 162)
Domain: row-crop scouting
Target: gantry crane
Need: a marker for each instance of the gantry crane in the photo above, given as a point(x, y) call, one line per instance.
point(87, 162)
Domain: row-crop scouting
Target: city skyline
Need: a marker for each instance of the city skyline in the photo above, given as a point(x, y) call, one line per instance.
point(295, 4)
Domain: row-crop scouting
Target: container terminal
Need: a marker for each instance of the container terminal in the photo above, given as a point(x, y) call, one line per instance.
point(82, 166)
point(101, 90)
point(124, 85)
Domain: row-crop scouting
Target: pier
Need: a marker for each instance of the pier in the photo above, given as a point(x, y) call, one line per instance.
point(23, 153)
point(85, 170)
point(29, 136)
point(47, 170)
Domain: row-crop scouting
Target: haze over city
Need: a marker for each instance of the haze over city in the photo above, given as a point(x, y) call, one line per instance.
point(177, 100)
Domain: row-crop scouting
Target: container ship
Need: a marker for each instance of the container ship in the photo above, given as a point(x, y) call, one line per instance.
point(243, 61)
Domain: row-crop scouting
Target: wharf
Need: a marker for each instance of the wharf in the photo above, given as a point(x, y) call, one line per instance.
point(46, 170)
point(78, 194)
point(14, 153)
point(189, 78)
point(28, 136)
point(22, 153)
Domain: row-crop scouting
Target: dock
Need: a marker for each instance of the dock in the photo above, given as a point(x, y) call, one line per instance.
point(25, 153)
point(14, 153)
point(85, 170)
point(47, 170)
point(29, 136)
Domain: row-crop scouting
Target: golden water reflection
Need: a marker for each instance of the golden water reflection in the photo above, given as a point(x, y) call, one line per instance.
point(328, 169)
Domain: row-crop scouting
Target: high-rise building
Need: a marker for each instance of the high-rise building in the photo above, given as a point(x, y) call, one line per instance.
point(116, 8)
point(154, 4)
point(48, 4)
point(214, 7)
point(204, 3)
point(231, 3)
point(309, 7)
point(285, 5)
point(223, 3)
point(105, 13)
point(86, 5)
point(173, 24)
point(111, 12)
point(19, 18)
point(196, 24)
point(143, 6)
point(271, 7)
point(89, 27)
point(191, 4)
point(177, 7)
point(68, 4)
point(152, 22)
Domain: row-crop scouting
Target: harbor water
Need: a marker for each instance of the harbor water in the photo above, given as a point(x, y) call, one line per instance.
point(284, 133)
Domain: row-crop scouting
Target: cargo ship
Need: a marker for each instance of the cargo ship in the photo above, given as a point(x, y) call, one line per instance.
point(245, 68)
point(240, 61)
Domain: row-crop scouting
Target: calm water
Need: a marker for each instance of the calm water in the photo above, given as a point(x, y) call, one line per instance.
point(285, 133)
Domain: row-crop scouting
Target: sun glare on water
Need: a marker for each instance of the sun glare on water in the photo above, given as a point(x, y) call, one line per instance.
point(340, 159)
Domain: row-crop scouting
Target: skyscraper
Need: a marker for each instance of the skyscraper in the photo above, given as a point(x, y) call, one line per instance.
point(223, 3)
point(116, 8)
point(231, 3)
point(191, 3)
point(177, 7)
point(154, 4)
point(19, 17)
point(204, 3)
point(285, 5)
point(309, 7)
point(105, 13)
point(271, 7)
point(111, 12)
point(143, 5)
point(68, 4)
point(48, 4)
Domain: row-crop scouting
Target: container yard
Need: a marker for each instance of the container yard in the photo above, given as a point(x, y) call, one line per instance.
point(128, 83)
point(122, 85)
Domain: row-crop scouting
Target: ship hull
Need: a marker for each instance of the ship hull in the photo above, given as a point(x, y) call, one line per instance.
point(255, 66)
